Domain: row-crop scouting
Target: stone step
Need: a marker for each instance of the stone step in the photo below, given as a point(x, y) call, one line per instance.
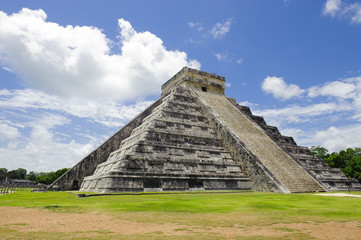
point(257, 141)
point(174, 142)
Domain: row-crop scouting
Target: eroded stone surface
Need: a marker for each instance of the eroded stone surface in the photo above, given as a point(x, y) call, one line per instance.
point(174, 149)
point(194, 138)
point(332, 179)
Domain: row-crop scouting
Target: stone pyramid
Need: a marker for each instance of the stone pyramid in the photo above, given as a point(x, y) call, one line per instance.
point(195, 138)
point(174, 149)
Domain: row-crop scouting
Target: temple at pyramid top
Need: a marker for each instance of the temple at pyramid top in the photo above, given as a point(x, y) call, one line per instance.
point(196, 79)
point(194, 138)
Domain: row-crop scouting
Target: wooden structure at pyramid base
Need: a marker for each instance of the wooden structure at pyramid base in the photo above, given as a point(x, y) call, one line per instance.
point(195, 138)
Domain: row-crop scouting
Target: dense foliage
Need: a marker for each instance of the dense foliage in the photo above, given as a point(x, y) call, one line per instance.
point(319, 151)
point(41, 177)
point(349, 160)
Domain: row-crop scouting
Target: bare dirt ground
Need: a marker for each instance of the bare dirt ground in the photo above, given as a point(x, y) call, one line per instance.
point(27, 220)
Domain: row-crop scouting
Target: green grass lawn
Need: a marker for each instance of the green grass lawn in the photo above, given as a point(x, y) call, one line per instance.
point(269, 205)
point(199, 209)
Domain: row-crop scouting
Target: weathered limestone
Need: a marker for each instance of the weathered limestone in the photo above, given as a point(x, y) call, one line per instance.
point(331, 179)
point(195, 138)
point(72, 179)
point(174, 149)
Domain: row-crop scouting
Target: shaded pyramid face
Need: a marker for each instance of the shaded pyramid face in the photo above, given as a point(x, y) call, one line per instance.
point(174, 149)
point(196, 138)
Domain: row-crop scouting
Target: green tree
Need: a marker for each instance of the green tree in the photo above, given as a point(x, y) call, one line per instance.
point(319, 151)
point(21, 172)
point(13, 174)
point(349, 161)
point(42, 177)
point(31, 176)
point(3, 173)
point(353, 168)
point(50, 177)
point(336, 160)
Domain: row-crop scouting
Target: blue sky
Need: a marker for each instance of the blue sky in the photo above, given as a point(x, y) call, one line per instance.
point(73, 72)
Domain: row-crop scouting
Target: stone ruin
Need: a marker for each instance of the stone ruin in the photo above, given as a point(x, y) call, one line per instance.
point(196, 138)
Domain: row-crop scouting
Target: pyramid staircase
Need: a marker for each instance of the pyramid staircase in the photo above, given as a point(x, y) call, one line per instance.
point(174, 149)
point(331, 179)
point(195, 138)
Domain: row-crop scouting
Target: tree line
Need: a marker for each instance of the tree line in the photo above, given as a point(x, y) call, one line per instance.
point(38, 177)
point(349, 160)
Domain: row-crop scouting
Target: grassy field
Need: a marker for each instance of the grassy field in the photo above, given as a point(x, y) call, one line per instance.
point(188, 215)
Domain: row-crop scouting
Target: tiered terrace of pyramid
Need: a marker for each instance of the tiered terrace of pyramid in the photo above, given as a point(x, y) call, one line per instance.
point(195, 138)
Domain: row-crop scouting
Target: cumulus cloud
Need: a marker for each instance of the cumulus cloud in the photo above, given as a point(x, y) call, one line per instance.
point(42, 152)
point(332, 138)
point(219, 30)
point(108, 113)
point(337, 8)
point(293, 132)
point(345, 97)
point(73, 74)
point(334, 89)
point(338, 138)
point(332, 7)
point(295, 113)
point(279, 89)
point(353, 11)
point(79, 61)
point(8, 132)
point(340, 115)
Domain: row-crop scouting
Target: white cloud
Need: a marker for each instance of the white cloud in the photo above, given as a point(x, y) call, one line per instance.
point(72, 74)
point(338, 138)
point(196, 25)
point(295, 114)
point(224, 57)
point(333, 138)
point(42, 152)
point(219, 30)
point(332, 7)
point(295, 133)
point(108, 113)
point(227, 84)
point(248, 104)
point(340, 116)
point(334, 89)
point(336, 8)
point(354, 12)
point(240, 61)
point(279, 89)
point(78, 72)
point(8, 132)
point(78, 61)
